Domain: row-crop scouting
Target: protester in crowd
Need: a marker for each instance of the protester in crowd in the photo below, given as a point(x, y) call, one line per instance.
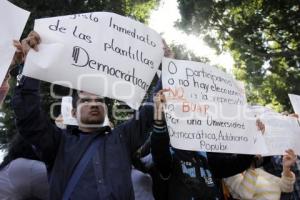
point(22, 175)
point(256, 183)
point(190, 174)
point(92, 162)
point(143, 163)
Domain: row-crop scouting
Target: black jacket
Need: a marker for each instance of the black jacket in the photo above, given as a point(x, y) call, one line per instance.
point(61, 151)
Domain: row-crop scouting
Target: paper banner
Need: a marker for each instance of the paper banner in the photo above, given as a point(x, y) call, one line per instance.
point(206, 110)
point(101, 53)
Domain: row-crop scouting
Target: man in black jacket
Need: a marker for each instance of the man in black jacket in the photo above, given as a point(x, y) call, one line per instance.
point(107, 173)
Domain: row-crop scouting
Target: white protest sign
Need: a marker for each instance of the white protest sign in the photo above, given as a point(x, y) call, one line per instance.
point(295, 100)
point(12, 23)
point(258, 110)
point(102, 53)
point(66, 111)
point(205, 110)
point(281, 132)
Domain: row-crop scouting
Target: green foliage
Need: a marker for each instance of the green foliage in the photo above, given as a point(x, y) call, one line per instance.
point(141, 10)
point(137, 9)
point(256, 32)
point(7, 128)
point(182, 53)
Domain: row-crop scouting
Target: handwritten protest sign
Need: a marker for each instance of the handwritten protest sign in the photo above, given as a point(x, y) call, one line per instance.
point(12, 23)
point(102, 53)
point(295, 100)
point(204, 110)
point(281, 132)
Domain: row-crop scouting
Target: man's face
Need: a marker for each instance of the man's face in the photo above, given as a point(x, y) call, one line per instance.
point(91, 109)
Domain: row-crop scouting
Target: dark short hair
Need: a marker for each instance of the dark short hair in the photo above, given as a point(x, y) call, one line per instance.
point(19, 148)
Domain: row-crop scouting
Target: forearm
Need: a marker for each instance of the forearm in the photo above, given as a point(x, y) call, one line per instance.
point(160, 150)
point(287, 181)
point(137, 129)
point(31, 122)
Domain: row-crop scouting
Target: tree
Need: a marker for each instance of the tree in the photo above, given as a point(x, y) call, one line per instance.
point(137, 9)
point(7, 128)
point(263, 37)
point(182, 53)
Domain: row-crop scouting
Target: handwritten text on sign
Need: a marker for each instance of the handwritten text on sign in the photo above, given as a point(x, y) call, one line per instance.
point(10, 30)
point(281, 132)
point(102, 53)
point(203, 110)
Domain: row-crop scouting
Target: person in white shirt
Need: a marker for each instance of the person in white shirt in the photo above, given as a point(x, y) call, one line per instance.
point(256, 183)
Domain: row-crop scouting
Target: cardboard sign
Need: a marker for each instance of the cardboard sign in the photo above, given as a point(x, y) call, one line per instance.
point(205, 110)
point(295, 100)
point(101, 53)
point(281, 132)
point(12, 22)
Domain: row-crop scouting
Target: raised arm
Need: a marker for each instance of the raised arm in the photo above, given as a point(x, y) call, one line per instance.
point(160, 148)
point(31, 121)
point(288, 177)
point(136, 130)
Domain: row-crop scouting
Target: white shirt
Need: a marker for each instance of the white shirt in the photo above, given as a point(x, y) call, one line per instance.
point(259, 185)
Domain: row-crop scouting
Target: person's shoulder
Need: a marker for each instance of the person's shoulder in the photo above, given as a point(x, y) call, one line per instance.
point(263, 173)
point(19, 172)
point(25, 164)
point(21, 162)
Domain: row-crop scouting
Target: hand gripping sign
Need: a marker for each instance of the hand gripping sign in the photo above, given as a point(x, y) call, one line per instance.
point(101, 53)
